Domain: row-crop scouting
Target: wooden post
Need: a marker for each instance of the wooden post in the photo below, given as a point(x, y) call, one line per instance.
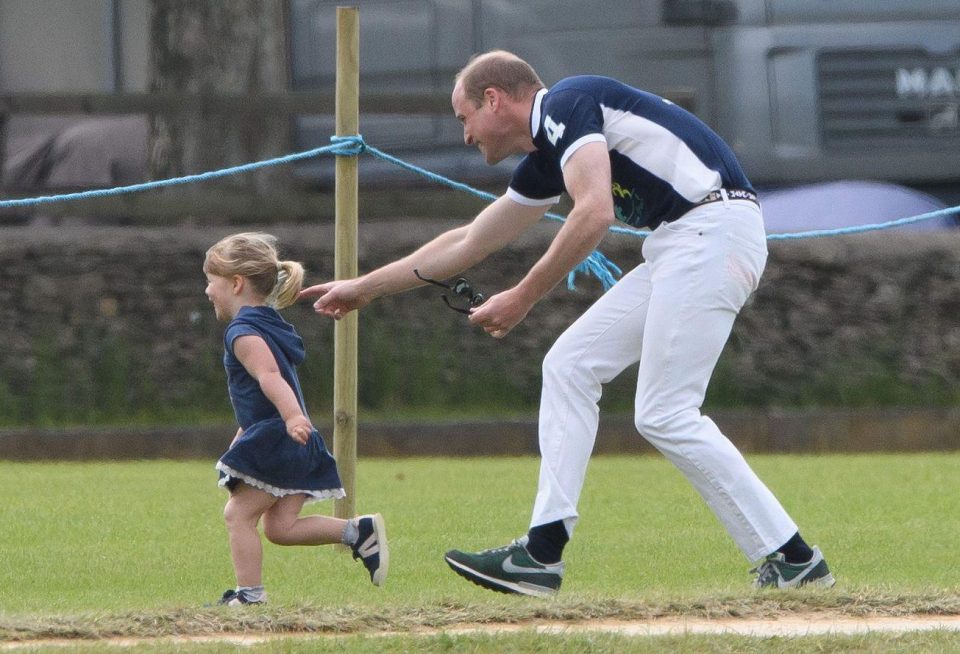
point(3, 149)
point(345, 330)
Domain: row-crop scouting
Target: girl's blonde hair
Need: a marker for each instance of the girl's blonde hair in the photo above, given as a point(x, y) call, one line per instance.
point(254, 255)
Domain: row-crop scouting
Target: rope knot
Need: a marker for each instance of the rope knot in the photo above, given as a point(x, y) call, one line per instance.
point(349, 145)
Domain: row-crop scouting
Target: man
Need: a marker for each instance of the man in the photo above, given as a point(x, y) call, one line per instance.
point(618, 153)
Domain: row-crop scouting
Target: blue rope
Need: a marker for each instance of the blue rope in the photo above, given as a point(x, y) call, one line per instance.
point(859, 229)
point(351, 145)
point(606, 271)
point(596, 264)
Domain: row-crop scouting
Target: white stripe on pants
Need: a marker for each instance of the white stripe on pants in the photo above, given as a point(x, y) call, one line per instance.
point(673, 314)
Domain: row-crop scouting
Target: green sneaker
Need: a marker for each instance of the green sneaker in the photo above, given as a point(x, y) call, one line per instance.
point(508, 569)
point(775, 572)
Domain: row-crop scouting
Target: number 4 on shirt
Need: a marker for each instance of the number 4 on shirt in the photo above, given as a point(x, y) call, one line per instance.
point(554, 130)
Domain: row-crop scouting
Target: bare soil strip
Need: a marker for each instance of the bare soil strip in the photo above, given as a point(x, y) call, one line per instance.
point(794, 626)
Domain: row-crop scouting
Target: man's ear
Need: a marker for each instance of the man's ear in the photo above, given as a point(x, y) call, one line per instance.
point(491, 97)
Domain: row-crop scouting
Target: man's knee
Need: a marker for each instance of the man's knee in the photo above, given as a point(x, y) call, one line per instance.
point(560, 366)
point(656, 424)
point(554, 363)
point(647, 423)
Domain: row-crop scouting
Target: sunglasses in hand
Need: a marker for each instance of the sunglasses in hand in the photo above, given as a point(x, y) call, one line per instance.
point(460, 287)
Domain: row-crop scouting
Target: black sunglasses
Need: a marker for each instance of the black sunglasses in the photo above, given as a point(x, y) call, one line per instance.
point(460, 287)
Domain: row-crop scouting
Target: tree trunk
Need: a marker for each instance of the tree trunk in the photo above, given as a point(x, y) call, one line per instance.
point(219, 47)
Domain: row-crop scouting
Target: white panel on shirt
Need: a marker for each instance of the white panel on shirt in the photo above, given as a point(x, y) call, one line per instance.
point(655, 148)
point(579, 143)
point(531, 202)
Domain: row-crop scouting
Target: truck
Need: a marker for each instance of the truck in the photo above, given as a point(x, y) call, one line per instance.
point(803, 90)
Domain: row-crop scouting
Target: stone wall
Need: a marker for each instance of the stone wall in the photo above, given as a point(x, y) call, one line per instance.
point(772, 431)
point(108, 321)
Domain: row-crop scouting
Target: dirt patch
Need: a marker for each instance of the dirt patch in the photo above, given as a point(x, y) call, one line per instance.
point(793, 626)
point(811, 625)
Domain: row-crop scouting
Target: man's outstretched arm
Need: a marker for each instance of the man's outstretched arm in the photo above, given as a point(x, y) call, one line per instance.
point(450, 253)
point(588, 180)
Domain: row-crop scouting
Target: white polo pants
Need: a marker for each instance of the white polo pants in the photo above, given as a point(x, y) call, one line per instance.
point(673, 314)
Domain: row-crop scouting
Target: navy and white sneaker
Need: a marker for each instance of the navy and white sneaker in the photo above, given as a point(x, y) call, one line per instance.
point(371, 547)
point(233, 598)
point(776, 572)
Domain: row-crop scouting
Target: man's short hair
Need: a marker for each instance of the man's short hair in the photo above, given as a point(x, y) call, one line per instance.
point(499, 69)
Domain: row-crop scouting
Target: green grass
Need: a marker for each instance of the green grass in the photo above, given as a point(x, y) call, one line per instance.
point(527, 643)
point(138, 547)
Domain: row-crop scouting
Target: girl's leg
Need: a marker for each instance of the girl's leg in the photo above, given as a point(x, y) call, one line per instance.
point(283, 525)
point(241, 514)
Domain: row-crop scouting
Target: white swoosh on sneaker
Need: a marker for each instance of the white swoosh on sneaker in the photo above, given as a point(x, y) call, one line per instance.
point(509, 566)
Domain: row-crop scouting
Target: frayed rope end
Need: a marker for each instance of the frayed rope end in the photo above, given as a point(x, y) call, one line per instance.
point(600, 267)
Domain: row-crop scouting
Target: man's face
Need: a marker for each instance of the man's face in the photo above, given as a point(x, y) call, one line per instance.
point(482, 126)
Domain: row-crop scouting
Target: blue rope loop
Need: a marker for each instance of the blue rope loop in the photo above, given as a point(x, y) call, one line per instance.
point(596, 264)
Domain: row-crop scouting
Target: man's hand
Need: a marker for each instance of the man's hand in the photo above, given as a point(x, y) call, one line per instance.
point(299, 428)
point(502, 312)
point(335, 299)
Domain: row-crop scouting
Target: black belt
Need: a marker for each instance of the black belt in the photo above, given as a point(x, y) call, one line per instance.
point(731, 194)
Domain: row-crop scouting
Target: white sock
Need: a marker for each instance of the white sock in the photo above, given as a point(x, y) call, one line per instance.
point(350, 533)
point(252, 593)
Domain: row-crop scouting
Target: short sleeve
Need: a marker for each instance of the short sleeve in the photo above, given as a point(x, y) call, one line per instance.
point(235, 331)
point(571, 119)
point(536, 182)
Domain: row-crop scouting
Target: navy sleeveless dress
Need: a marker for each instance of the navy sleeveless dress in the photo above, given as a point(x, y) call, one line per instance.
point(264, 456)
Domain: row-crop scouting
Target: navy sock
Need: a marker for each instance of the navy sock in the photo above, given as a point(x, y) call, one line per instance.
point(796, 550)
point(546, 542)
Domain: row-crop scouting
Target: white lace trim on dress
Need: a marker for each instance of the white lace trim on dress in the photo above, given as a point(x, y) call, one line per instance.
point(312, 495)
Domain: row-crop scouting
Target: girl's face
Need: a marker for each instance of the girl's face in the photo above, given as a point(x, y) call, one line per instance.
point(222, 291)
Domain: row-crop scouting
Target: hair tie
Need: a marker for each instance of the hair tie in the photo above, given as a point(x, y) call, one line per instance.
point(282, 276)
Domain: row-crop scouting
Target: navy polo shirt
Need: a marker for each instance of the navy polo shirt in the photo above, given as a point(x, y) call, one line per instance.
point(663, 159)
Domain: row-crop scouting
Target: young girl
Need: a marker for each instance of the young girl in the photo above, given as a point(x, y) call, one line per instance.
point(277, 461)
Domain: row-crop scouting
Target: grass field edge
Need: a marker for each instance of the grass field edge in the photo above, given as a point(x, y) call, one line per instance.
point(345, 620)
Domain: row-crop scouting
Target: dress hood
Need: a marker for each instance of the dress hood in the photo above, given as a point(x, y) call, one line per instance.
point(280, 333)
